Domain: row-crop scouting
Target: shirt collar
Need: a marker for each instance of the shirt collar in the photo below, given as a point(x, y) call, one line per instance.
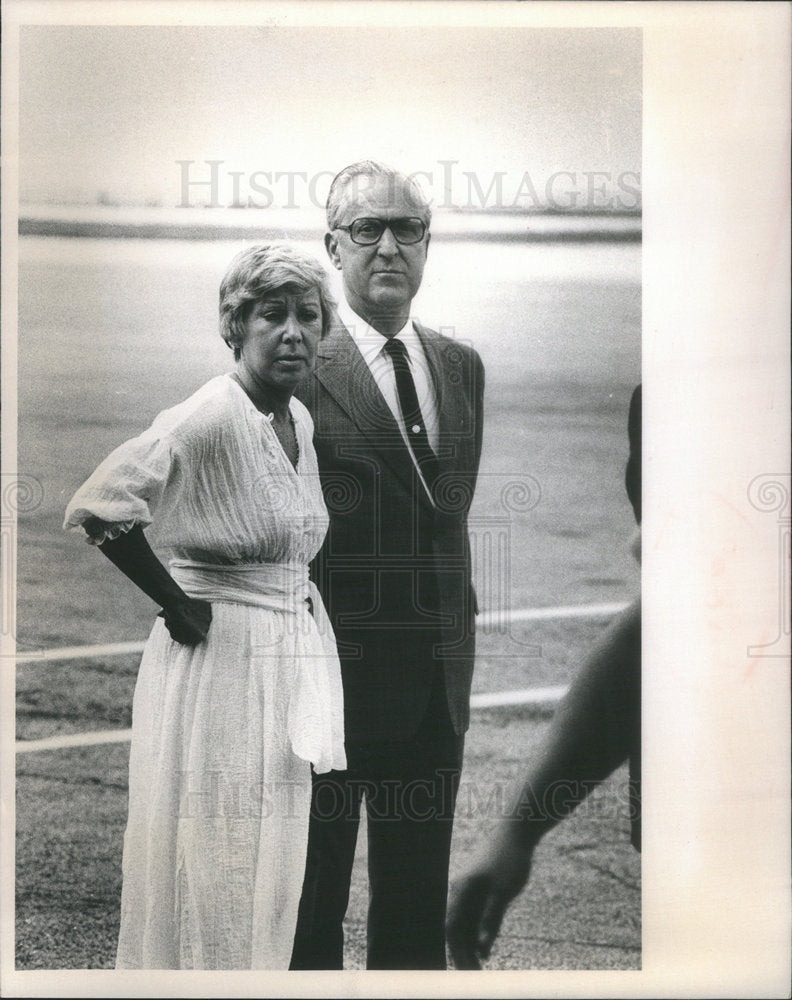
point(369, 341)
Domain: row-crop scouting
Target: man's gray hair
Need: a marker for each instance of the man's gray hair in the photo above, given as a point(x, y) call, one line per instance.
point(351, 181)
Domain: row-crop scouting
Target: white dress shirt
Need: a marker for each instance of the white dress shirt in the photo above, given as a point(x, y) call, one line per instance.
point(370, 343)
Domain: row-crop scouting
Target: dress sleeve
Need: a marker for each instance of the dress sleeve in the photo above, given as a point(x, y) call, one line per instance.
point(129, 485)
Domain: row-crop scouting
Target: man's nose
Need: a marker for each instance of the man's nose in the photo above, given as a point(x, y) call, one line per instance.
point(387, 242)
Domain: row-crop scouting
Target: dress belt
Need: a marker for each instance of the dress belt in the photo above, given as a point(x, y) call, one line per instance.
point(275, 586)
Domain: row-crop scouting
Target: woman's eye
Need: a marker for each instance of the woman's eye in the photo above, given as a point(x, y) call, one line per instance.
point(309, 316)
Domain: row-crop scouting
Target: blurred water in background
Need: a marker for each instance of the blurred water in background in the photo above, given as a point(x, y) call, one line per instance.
point(567, 310)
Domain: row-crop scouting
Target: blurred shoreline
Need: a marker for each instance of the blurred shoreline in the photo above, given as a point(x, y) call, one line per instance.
point(115, 221)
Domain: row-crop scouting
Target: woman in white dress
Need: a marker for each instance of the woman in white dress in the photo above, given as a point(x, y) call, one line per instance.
point(239, 688)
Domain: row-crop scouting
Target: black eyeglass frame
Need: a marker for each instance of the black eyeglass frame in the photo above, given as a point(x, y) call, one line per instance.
point(385, 224)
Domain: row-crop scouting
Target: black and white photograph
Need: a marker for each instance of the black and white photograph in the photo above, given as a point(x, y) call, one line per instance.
point(356, 620)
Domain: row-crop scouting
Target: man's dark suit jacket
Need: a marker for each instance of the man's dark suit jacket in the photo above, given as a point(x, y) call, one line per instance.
point(394, 572)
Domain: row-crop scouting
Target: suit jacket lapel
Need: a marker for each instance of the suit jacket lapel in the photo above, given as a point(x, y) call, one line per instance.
point(449, 393)
point(346, 376)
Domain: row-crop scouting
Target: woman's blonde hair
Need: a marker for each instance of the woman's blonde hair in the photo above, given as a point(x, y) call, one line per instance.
point(262, 270)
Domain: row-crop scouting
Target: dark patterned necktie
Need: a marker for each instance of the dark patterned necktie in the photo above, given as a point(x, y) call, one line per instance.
point(411, 411)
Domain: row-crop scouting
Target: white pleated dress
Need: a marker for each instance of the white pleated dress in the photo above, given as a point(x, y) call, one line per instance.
point(223, 732)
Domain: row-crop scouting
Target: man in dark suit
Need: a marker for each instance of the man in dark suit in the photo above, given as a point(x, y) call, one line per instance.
point(397, 410)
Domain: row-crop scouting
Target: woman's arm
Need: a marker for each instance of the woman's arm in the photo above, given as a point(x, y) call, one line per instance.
point(186, 618)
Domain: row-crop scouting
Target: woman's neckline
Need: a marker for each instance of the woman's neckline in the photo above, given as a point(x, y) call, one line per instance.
point(269, 418)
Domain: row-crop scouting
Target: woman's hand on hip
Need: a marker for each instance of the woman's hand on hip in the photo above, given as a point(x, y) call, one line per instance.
point(188, 620)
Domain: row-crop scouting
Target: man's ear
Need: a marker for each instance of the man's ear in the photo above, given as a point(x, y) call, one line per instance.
point(331, 246)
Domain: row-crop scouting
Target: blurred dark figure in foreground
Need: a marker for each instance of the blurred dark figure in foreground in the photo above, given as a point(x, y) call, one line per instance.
point(596, 728)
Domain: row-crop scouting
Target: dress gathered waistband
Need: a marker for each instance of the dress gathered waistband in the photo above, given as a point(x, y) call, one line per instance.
point(274, 586)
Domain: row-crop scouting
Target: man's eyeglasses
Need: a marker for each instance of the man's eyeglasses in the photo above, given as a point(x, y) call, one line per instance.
point(366, 232)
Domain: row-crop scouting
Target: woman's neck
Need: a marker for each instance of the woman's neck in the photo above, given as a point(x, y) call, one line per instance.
point(267, 398)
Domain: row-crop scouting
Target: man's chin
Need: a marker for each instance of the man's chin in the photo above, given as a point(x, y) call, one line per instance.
point(389, 299)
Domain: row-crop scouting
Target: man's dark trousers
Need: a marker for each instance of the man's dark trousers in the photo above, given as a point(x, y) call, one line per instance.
point(409, 789)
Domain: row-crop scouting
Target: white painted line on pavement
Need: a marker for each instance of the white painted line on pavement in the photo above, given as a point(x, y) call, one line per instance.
point(493, 699)
point(96, 738)
point(80, 652)
point(529, 696)
point(547, 614)
point(484, 619)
